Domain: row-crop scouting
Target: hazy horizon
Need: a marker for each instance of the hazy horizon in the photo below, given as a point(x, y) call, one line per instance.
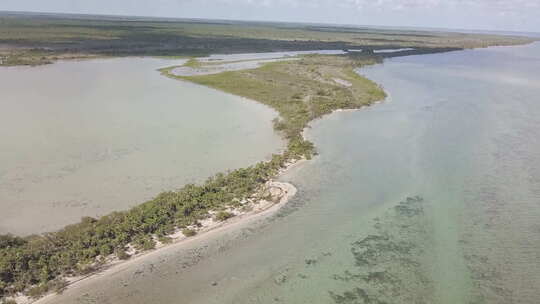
point(483, 15)
point(401, 27)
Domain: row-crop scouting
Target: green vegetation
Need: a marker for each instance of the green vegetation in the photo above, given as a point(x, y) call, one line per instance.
point(36, 56)
point(165, 239)
point(189, 232)
point(223, 216)
point(39, 39)
point(57, 286)
point(300, 90)
point(121, 253)
point(193, 63)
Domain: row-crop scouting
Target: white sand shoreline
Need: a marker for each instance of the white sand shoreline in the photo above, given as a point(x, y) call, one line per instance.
point(282, 192)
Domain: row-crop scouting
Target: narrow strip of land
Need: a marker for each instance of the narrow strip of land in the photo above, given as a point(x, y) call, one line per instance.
point(300, 90)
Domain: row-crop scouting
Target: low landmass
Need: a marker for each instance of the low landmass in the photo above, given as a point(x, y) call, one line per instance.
point(40, 38)
point(300, 90)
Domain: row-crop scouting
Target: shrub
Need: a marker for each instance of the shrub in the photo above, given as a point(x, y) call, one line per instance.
point(105, 250)
point(322, 92)
point(85, 269)
point(38, 291)
point(144, 242)
point(58, 285)
point(297, 96)
point(9, 240)
point(165, 239)
point(279, 125)
point(193, 63)
point(222, 216)
point(189, 232)
point(122, 254)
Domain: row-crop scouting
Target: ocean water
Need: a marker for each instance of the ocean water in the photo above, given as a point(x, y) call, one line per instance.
point(90, 137)
point(429, 197)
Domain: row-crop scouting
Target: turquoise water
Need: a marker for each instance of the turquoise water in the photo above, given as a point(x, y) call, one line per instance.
point(90, 137)
point(429, 197)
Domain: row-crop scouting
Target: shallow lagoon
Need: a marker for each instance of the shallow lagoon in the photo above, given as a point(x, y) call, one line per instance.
point(460, 130)
point(90, 137)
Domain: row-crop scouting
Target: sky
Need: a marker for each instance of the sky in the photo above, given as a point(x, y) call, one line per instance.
point(509, 15)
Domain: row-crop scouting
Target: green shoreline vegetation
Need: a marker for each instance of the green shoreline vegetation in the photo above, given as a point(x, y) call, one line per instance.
point(299, 90)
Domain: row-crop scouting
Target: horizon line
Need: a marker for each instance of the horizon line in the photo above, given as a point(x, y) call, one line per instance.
point(394, 27)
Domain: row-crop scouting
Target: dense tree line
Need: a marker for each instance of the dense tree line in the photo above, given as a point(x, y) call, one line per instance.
point(34, 264)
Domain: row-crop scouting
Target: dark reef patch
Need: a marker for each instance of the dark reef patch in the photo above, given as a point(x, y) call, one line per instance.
point(389, 266)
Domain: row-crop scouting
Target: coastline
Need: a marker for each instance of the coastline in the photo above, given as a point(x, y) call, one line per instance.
point(262, 208)
point(50, 263)
point(282, 192)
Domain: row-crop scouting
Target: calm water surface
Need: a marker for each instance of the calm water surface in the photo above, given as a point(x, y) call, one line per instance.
point(86, 138)
point(430, 197)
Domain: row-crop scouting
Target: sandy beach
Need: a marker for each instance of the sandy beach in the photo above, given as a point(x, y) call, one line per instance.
point(280, 193)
